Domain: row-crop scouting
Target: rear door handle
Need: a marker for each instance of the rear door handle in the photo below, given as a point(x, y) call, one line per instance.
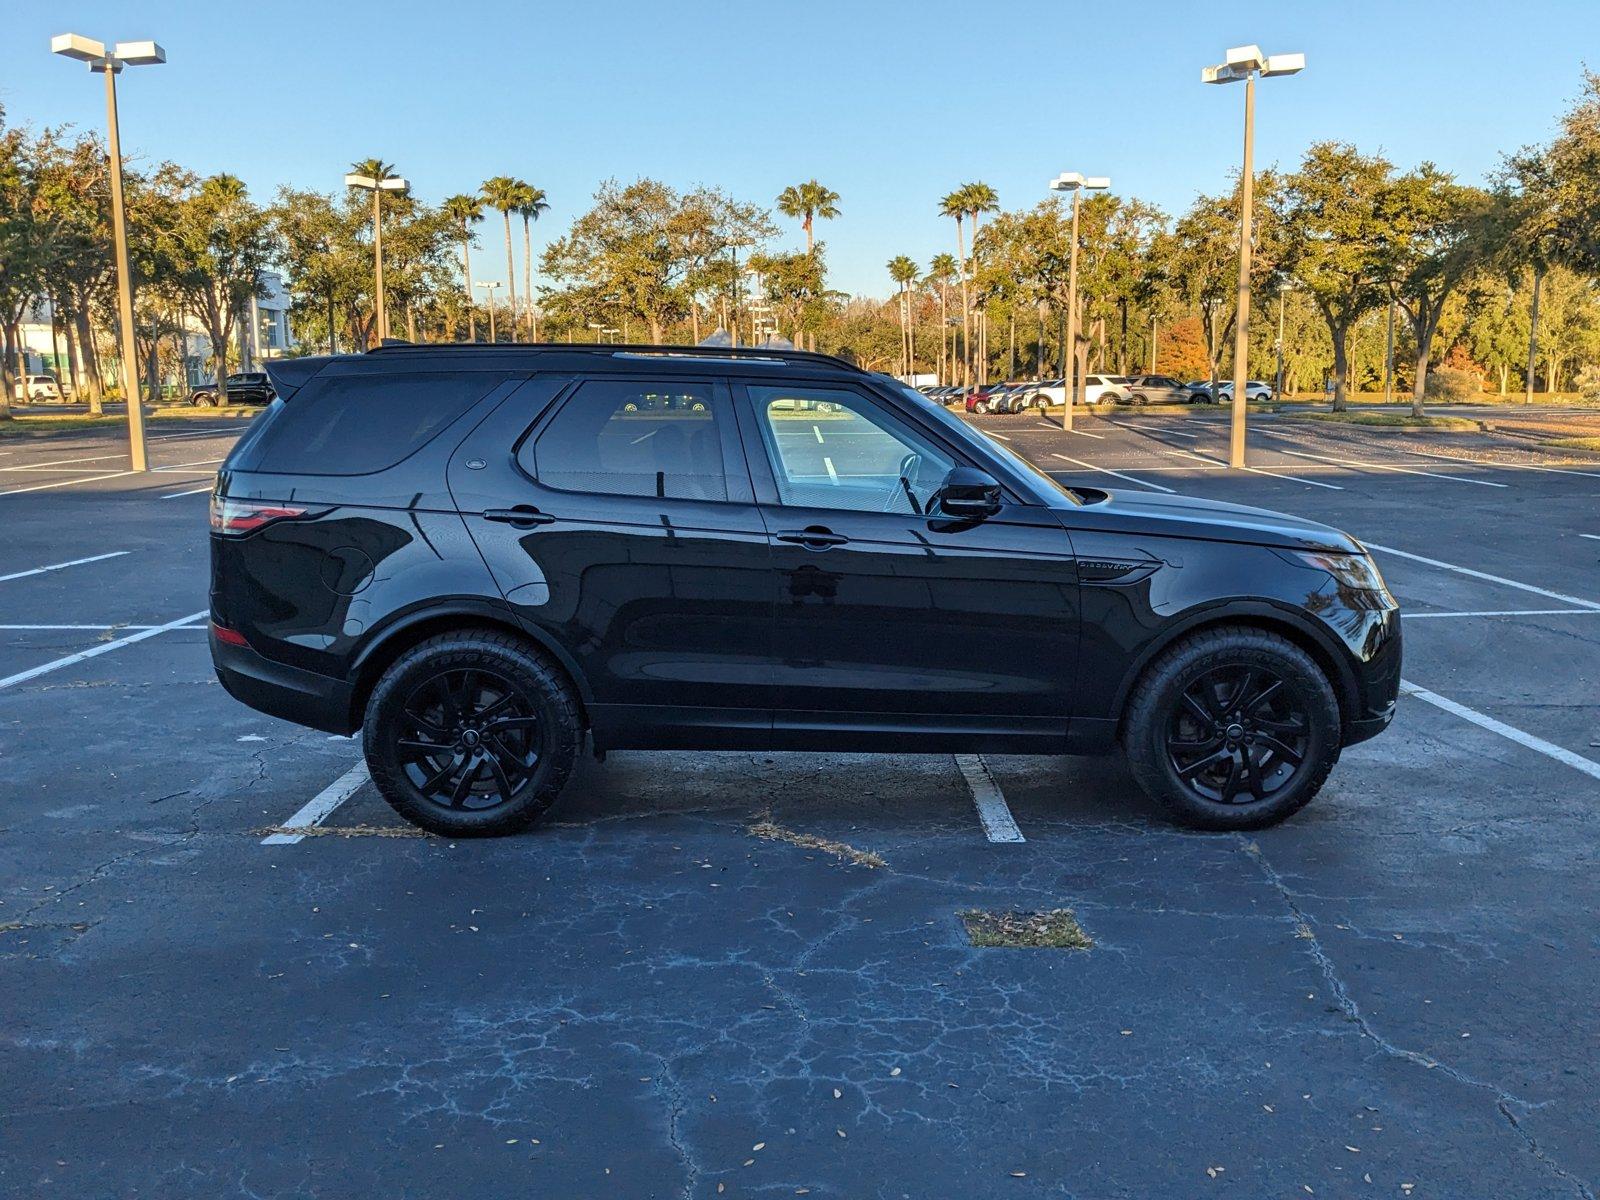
point(814, 538)
point(523, 516)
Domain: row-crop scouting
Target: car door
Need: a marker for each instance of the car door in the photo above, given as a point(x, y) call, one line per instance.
point(618, 520)
point(889, 617)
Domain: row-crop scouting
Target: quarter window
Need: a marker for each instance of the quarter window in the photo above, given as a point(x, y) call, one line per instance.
point(835, 449)
point(634, 438)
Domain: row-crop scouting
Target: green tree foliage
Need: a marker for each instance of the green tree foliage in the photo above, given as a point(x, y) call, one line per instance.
point(805, 202)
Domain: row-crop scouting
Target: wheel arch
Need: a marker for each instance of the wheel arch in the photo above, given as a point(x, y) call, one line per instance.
point(413, 629)
point(1293, 627)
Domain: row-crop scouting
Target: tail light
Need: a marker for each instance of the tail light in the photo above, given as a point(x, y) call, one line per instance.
point(234, 518)
point(231, 637)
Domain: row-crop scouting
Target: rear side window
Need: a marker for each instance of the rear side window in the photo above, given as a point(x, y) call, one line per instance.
point(358, 424)
point(634, 438)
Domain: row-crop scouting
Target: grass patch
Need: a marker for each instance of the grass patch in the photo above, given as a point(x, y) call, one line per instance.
point(1057, 929)
point(1390, 420)
point(190, 412)
point(41, 424)
point(1576, 443)
point(840, 850)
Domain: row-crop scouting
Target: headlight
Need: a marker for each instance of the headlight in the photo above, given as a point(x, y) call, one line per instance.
point(1351, 570)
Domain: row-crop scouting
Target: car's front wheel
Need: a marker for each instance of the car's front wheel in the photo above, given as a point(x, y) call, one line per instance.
point(1232, 728)
point(471, 734)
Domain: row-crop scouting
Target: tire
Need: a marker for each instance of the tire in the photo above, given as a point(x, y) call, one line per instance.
point(1298, 715)
point(982, 406)
point(513, 767)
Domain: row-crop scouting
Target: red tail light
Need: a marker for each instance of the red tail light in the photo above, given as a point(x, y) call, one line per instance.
point(231, 637)
point(243, 516)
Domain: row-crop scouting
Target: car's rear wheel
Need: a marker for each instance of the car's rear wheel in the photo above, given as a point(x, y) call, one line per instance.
point(471, 734)
point(982, 406)
point(1232, 728)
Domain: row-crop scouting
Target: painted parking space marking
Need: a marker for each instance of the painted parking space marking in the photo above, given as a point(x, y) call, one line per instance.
point(1350, 462)
point(77, 562)
point(320, 807)
point(1549, 749)
point(94, 628)
point(818, 432)
point(96, 651)
point(191, 492)
point(56, 462)
point(1107, 471)
point(1146, 428)
point(993, 812)
point(42, 487)
point(1333, 487)
point(1593, 537)
point(1086, 433)
point(1505, 612)
point(1486, 577)
point(1504, 466)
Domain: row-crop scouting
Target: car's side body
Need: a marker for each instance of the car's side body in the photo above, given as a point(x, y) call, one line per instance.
point(723, 622)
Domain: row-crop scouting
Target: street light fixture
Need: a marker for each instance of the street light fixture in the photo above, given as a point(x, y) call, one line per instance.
point(377, 187)
point(1074, 182)
point(489, 300)
point(1245, 63)
point(123, 54)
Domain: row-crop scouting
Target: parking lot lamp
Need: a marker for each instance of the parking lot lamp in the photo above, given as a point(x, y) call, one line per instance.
point(489, 300)
point(123, 54)
point(377, 187)
point(1074, 182)
point(1245, 63)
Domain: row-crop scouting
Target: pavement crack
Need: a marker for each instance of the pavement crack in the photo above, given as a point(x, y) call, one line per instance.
point(1507, 1104)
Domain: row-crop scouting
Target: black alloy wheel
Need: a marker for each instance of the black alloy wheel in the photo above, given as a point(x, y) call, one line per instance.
point(1238, 735)
point(469, 739)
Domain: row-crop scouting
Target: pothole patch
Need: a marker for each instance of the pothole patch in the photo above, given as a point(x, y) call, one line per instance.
point(1056, 929)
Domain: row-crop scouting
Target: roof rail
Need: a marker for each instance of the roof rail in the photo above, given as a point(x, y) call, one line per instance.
point(703, 353)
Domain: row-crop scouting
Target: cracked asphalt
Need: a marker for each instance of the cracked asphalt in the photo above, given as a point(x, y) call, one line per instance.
point(1391, 995)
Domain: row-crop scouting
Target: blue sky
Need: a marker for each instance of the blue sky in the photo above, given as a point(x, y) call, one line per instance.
point(889, 103)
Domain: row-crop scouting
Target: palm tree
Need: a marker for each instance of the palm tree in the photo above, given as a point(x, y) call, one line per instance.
point(503, 194)
point(533, 206)
point(940, 272)
point(981, 198)
point(466, 211)
point(955, 206)
point(903, 270)
point(807, 201)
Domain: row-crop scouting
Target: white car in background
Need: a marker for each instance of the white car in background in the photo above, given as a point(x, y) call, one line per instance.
point(1097, 389)
point(38, 387)
point(1254, 389)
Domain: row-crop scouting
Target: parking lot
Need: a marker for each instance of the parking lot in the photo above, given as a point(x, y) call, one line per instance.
point(229, 970)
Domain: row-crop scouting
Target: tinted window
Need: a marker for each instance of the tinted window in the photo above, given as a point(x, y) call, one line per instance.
point(634, 438)
point(835, 449)
point(357, 424)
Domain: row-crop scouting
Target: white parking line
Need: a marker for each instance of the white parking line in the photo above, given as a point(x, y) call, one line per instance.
point(999, 436)
point(1332, 487)
point(194, 433)
point(832, 474)
point(1549, 749)
point(77, 562)
point(1086, 433)
point(1505, 612)
point(199, 462)
point(98, 628)
point(1140, 428)
point(1593, 537)
point(96, 651)
point(1350, 462)
point(993, 813)
point(193, 492)
point(320, 807)
point(43, 487)
point(1484, 575)
point(1504, 466)
point(56, 462)
point(1107, 471)
point(818, 432)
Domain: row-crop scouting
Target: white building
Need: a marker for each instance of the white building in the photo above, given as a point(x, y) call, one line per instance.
point(262, 333)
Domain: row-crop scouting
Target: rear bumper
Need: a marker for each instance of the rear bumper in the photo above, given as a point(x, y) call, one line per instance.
point(279, 691)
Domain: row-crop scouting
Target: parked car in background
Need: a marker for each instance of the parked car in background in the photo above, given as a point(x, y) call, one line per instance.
point(1157, 389)
point(244, 387)
point(38, 387)
point(458, 551)
point(1104, 389)
point(1254, 389)
point(1199, 391)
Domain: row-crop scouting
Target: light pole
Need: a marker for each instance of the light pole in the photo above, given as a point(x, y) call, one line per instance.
point(489, 300)
point(123, 54)
point(1074, 182)
point(1246, 62)
point(377, 187)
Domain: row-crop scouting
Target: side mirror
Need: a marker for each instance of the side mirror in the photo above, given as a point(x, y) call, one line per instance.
point(967, 494)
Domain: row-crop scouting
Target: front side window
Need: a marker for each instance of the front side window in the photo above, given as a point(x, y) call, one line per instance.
point(835, 449)
point(634, 438)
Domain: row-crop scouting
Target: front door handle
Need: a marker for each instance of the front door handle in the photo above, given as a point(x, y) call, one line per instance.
point(813, 538)
point(523, 516)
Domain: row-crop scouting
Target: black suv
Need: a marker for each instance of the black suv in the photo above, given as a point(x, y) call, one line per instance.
point(482, 555)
